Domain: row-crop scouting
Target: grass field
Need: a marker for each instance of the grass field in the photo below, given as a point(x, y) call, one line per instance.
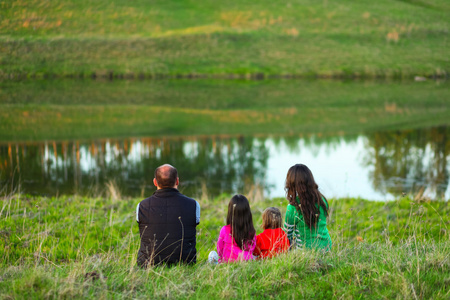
point(39, 110)
point(75, 247)
point(229, 39)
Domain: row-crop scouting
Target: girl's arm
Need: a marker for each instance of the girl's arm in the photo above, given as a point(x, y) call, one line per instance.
point(257, 251)
point(220, 242)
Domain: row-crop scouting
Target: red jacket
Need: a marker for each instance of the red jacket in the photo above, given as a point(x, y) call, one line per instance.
point(271, 242)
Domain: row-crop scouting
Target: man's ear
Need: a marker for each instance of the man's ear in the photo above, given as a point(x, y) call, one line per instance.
point(155, 182)
point(178, 182)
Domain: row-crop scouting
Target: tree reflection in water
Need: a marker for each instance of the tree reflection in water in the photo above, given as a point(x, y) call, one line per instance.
point(223, 164)
point(410, 161)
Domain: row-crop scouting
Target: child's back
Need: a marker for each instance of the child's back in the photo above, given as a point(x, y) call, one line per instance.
point(273, 240)
point(229, 251)
point(237, 239)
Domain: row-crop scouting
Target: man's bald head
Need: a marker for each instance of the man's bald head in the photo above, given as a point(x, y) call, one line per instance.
point(166, 176)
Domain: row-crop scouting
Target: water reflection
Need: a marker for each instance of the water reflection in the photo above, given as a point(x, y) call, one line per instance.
point(222, 164)
point(413, 161)
point(378, 166)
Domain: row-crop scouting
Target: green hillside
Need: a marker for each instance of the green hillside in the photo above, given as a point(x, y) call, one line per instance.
point(120, 38)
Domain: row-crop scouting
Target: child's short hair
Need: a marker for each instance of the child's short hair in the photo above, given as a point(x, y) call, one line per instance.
point(271, 218)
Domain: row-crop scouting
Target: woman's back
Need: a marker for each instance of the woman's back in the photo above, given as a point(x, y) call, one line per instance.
point(306, 214)
point(300, 235)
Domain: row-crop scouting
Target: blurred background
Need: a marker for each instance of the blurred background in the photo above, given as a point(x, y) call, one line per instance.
point(94, 95)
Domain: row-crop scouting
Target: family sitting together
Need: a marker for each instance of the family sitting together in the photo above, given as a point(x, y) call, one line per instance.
point(168, 219)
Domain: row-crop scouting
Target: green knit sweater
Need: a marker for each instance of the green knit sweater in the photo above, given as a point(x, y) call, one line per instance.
point(300, 235)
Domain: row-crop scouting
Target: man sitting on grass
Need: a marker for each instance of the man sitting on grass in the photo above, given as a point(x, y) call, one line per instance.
point(167, 222)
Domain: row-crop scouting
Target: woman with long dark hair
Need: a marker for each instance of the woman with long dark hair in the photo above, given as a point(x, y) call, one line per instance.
point(307, 211)
point(237, 239)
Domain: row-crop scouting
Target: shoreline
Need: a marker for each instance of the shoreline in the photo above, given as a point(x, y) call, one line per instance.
point(257, 76)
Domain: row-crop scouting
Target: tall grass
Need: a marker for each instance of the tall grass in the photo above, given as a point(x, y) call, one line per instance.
point(76, 247)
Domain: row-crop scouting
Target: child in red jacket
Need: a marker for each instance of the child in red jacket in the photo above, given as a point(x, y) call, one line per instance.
point(273, 240)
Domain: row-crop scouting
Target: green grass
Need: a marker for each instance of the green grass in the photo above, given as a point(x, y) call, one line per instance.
point(74, 109)
point(397, 249)
point(237, 38)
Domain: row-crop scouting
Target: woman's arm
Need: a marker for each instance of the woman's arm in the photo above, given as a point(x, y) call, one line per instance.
point(285, 243)
point(289, 224)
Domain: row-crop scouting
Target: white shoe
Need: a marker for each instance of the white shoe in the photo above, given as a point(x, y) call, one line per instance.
point(213, 258)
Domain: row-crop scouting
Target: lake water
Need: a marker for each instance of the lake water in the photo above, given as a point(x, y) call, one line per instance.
point(343, 166)
point(372, 140)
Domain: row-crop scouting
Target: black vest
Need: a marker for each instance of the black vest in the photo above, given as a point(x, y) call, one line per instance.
point(167, 222)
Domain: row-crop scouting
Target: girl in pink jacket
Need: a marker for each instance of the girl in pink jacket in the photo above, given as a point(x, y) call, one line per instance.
point(237, 239)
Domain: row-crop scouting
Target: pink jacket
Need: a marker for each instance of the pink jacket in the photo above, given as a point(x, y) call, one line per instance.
point(228, 250)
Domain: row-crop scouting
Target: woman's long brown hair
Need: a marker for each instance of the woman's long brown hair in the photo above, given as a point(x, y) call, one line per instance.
point(300, 184)
point(240, 218)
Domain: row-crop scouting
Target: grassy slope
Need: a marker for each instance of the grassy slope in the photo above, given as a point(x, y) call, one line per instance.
point(325, 38)
point(397, 249)
point(68, 109)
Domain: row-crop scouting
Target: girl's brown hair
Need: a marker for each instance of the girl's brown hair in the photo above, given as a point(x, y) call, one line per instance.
point(300, 185)
point(271, 218)
point(240, 218)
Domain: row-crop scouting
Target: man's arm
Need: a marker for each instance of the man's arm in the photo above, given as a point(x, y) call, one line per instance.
point(197, 213)
point(137, 213)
